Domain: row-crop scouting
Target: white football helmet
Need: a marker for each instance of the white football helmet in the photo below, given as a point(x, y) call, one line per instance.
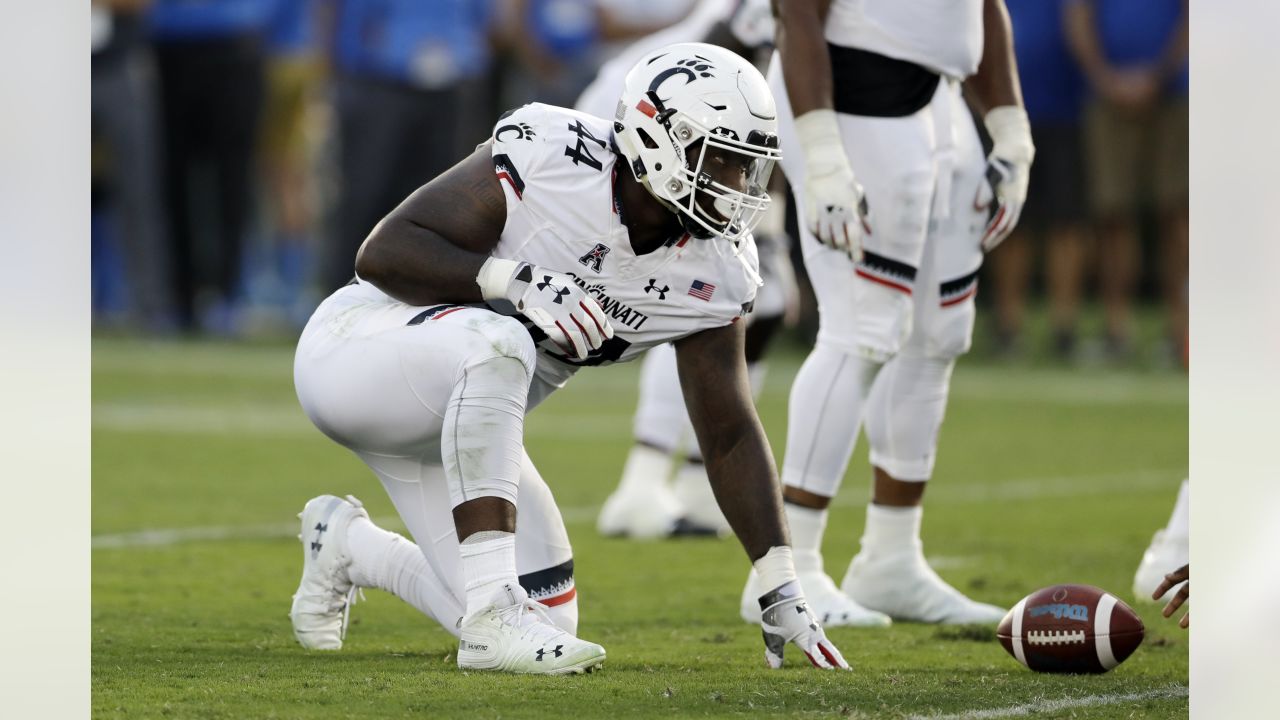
point(684, 103)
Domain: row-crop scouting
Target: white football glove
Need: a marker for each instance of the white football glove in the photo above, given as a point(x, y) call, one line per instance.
point(1008, 170)
point(551, 300)
point(784, 618)
point(834, 203)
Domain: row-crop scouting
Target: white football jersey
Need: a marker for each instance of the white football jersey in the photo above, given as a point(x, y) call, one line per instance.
point(558, 171)
point(943, 35)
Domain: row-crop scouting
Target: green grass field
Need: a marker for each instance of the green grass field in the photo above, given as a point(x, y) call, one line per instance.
point(201, 458)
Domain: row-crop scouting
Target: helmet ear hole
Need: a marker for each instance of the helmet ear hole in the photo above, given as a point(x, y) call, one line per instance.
point(649, 142)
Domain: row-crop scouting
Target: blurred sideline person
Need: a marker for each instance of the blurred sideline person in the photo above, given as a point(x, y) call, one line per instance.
point(405, 85)
point(558, 43)
point(1056, 215)
point(1170, 547)
point(125, 122)
point(486, 290)
point(1134, 55)
point(280, 267)
point(211, 60)
point(644, 505)
point(871, 90)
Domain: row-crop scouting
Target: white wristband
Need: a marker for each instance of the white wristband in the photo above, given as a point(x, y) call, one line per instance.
point(1010, 132)
point(776, 568)
point(495, 277)
point(819, 136)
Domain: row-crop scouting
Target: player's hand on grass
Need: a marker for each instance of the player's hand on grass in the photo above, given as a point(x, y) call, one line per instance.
point(551, 300)
point(786, 618)
point(1008, 171)
point(835, 207)
point(1181, 575)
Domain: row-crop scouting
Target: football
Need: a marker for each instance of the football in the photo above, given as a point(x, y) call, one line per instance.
point(1070, 629)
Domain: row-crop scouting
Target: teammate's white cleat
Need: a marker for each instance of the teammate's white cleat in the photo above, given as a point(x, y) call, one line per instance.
point(322, 604)
point(514, 634)
point(692, 489)
point(643, 515)
point(1165, 554)
point(904, 587)
point(832, 607)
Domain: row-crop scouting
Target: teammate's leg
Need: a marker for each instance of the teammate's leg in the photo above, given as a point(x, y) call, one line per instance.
point(864, 316)
point(907, 406)
point(643, 506)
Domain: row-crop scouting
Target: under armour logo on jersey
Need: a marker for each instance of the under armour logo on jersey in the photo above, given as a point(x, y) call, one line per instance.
point(554, 653)
point(653, 287)
point(559, 291)
point(594, 258)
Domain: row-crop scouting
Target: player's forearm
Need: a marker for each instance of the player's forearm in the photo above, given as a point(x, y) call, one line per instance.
point(745, 483)
point(1175, 52)
point(415, 265)
point(1083, 42)
point(996, 82)
point(802, 45)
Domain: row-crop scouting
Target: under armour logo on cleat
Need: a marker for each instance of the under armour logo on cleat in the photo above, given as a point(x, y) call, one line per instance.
point(560, 292)
point(315, 547)
point(555, 652)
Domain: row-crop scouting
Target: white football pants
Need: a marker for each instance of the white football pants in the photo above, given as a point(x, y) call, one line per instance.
point(433, 401)
point(891, 326)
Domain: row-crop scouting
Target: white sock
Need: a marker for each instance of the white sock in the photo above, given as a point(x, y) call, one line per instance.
point(776, 568)
point(892, 530)
point(1180, 521)
point(488, 563)
point(390, 562)
point(807, 527)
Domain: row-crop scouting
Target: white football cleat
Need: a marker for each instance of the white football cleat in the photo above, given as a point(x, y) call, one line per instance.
point(642, 506)
point(904, 587)
point(693, 491)
point(645, 515)
point(832, 607)
point(1165, 554)
point(322, 604)
point(515, 635)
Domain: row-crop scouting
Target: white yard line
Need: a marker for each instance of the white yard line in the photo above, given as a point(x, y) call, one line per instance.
point(1020, 490)
point(1048, 706)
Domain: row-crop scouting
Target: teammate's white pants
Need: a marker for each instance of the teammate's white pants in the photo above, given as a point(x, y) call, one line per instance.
point(432, 399)
point(891, 326)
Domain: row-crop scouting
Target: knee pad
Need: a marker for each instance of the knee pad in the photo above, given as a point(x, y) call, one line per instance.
point(874, 323)
point(554, 588)
point(905, 413)
point(506, 337)
point(947, 327)
point(482, 442)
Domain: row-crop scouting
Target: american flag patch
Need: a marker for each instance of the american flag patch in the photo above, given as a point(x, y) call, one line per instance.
point(702, 290)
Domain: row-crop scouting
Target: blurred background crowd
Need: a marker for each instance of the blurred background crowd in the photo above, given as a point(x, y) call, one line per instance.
point(242, 150)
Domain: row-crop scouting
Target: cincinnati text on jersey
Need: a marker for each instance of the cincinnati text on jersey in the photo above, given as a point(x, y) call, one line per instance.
point(619, 312)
